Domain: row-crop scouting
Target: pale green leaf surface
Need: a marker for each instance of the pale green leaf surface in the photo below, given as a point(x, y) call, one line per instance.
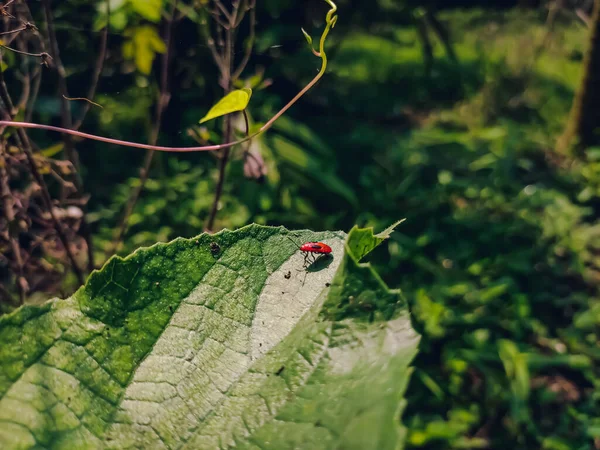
point(232, 102)
point(181, 346)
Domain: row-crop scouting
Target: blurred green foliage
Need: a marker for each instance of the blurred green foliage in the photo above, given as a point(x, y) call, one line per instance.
point(498, 257)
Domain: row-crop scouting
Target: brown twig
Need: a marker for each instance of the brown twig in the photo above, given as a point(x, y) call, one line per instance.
point(584, 17)
point(210, 42)
point(84, 99)
point(250, 45)
point(3, 9)
point(23, 142)
point(224, 160)
point(97, 71)
point(224, 10)
point(45, 57)
point(25, 77)
point(162, 103)
point(216, 16)
point(21, 42)
point(16, 30)
point(234, 14)
point(37, 82)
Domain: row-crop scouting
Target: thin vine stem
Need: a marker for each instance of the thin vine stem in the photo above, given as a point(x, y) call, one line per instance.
point(331, 20)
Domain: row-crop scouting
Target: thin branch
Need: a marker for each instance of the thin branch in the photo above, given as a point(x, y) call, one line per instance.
point(210, 42)
point(222, 172)
point(87, 100)
point(224, 10)
point(163, 101)
point(43, 55)
point(97, 70)
point(585, 18)
point(246, 123)
point(25, 77)
point(240, 13)
point(37, 81)
point(233, 21)
point(216, 17)
point(3, 9)
point(250, 44)
point(16, 30)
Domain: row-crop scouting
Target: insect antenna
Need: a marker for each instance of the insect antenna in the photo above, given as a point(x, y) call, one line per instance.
point(295, 243)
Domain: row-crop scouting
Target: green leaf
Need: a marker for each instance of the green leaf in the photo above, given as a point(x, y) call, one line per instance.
point(232, 102)
point(307, 37)
point(142, 46)
point(515, 366)
point(148, 9)
point(212, 342)
point(362, 240)
point(373, 299)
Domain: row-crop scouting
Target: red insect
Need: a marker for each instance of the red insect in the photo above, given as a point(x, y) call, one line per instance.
point(312, 249)
point(315, 247)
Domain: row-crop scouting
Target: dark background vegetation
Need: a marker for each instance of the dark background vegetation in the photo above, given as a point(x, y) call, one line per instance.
point(499, 255)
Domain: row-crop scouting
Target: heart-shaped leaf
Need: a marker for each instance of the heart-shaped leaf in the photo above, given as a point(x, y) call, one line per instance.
point(232, 102)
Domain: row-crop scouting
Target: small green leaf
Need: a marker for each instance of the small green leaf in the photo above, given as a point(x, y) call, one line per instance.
point(232, 102)
point(142, 46)
point(363, 241)
point(148, 9)
point(307, 37)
